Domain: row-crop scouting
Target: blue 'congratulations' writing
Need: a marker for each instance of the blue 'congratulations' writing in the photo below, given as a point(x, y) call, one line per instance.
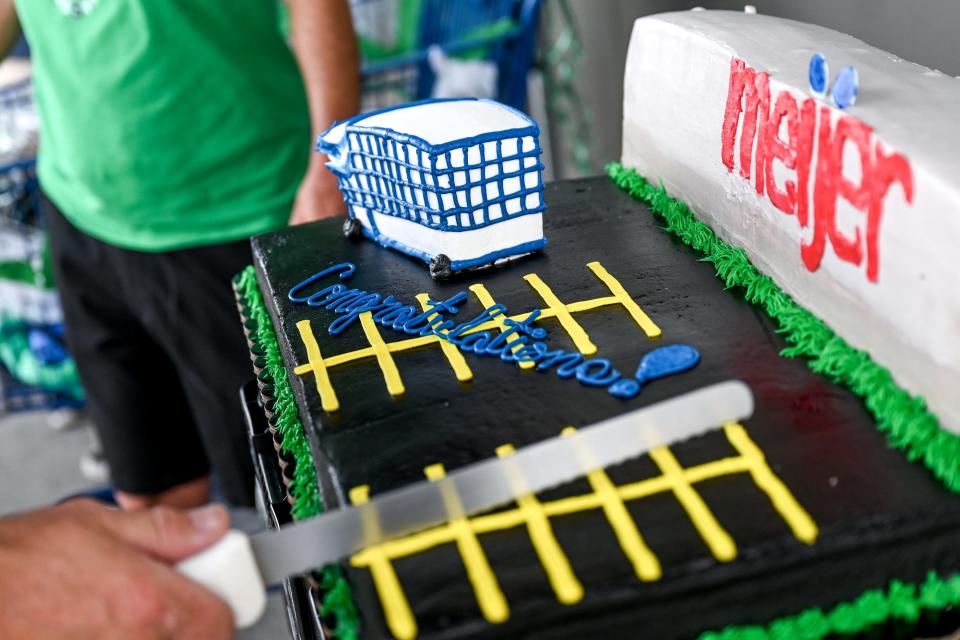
point(520, 341)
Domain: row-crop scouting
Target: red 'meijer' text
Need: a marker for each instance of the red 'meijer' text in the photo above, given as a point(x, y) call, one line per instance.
point(749, 94)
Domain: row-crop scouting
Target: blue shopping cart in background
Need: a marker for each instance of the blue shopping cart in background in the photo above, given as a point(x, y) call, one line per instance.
point(35, 370)
point(396, 36)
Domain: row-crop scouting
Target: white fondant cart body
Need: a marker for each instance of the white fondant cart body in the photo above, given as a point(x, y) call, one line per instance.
point(456, 183)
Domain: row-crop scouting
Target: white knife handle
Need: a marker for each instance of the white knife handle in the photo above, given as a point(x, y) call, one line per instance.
point(229, 570)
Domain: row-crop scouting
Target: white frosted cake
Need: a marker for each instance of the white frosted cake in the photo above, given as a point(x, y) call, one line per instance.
point(855, 213)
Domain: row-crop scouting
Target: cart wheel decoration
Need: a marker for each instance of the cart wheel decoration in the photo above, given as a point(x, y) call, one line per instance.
point(440, 267)
point(352, 229)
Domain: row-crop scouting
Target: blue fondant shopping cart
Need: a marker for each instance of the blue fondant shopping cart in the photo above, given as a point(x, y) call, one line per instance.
point(456, 183)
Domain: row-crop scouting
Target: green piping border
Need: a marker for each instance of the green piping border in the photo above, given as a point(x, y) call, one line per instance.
point(337, 599)
point(901, 602)
point(905, 420)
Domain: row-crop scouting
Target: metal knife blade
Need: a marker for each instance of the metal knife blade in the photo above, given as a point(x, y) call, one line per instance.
point(493, 482)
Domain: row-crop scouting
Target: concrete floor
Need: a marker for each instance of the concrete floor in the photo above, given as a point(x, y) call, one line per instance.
point(39, 466)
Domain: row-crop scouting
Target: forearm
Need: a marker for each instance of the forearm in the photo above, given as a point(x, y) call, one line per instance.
point(9, 27)
point(326, 49)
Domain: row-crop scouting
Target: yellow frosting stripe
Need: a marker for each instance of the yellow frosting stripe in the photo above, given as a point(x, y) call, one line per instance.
point(382, 352)
point(645, 563)
point(371, 520)
point(368, 352)
point(460, 367)
point(799, 521)
point(499, 322)
point(555, 562)
point(717, 468)
point(315, 363)
point(560, 311)
point(719, 541)
point(360, 494)
point(351, 356)
point(486, 588)
point(641, 318)
point(396, 607)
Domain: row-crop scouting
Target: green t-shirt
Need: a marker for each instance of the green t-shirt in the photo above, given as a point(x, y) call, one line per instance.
point(167, 123)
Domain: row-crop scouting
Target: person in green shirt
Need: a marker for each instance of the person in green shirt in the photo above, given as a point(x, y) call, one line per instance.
point(170, 132)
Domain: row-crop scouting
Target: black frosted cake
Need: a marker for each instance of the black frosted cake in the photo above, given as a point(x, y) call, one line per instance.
point(804, 516)
point(764, 226)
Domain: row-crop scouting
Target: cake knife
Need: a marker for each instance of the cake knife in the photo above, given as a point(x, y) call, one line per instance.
point(238, 567)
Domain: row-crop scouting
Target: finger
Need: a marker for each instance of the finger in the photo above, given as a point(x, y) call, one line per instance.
point(164, 604)
point(169, 534)
point(202, 615)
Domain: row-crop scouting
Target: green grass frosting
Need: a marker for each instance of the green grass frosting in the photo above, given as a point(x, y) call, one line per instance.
point(336, 599)
point(900, 602)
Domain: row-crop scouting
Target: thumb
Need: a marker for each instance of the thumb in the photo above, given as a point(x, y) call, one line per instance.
point(169, 534)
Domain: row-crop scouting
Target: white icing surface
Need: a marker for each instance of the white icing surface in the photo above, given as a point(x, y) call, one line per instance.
point(676, 87)
point(441, 122)
point(462, 245)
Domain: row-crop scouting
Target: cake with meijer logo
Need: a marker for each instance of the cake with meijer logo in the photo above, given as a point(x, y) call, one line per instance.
point(784, 213)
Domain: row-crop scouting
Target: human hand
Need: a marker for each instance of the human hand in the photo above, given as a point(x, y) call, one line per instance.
point(318, 196)
point(81, 570)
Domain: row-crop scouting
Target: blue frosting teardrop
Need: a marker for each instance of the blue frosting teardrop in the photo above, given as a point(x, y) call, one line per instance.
point(845, 87)
point(819, 72)
point(666, 361)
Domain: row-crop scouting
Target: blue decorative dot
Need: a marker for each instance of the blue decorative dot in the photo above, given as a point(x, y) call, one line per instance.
point(845, 87)
point(819, 73)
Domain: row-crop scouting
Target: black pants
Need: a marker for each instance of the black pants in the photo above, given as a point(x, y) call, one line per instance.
point(161, 355)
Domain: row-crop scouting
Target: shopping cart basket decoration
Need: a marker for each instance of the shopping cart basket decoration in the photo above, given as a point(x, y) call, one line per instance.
point(456, 183)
